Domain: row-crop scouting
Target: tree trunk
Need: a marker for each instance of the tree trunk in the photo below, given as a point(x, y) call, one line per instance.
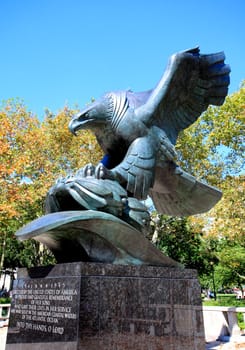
point(3, 251)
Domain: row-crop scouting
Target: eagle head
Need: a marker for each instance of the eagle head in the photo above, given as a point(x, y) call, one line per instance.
point(94, 116)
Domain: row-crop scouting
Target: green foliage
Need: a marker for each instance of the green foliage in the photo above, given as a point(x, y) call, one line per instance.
point(231, 268)
point(228, 215)
point(26, 254)
point(33, 155)
point(213, 147)
point(5, 300)
point(240, 320)
point(225, 300)
point(213, 150)
point(180, 240)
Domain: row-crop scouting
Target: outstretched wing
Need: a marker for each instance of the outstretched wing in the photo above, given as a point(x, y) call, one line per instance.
point(191, 83)
point(180, 194)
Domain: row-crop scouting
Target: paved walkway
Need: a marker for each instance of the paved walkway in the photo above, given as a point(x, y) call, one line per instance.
point(3, 335)
point(210, 346)
point(217, 345)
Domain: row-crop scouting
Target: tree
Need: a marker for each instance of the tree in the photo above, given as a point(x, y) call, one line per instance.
point(181, 239)
point(231, 268)
point(32, 156)
point(18, 160)
point(213, 150)
point(228, 215)
point(213, 147)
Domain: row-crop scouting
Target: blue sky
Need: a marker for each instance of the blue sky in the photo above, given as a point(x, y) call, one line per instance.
point(64, 52)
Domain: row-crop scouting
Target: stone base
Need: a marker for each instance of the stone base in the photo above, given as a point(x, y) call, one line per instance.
point(106, 307)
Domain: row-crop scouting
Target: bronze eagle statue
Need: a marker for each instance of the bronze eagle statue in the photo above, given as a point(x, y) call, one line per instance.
point(138, 131)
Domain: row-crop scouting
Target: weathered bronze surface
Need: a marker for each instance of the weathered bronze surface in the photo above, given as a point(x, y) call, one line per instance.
point(138, 131)
point(93, 236)
point(97, 213)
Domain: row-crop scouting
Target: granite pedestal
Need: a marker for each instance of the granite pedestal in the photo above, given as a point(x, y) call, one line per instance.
point(78, 306)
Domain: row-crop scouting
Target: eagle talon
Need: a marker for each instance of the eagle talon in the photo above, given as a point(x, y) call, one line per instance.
point(101, 172)
point(88, 170)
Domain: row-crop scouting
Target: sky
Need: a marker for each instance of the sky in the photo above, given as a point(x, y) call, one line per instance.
point(57, 53)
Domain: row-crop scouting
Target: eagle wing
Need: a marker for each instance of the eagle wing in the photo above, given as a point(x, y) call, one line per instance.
point(137, 169)
point(191, 82)
point(178, 193)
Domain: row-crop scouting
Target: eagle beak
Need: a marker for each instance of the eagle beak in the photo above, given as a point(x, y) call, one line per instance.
point(77, 122)
point(85, 119)
point(73, 126)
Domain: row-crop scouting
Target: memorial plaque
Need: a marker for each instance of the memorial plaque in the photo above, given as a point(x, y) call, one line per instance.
point(91, 306)
point(44, 310)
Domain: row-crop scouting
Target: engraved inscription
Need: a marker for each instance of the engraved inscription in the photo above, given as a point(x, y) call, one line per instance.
point(45, 306)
